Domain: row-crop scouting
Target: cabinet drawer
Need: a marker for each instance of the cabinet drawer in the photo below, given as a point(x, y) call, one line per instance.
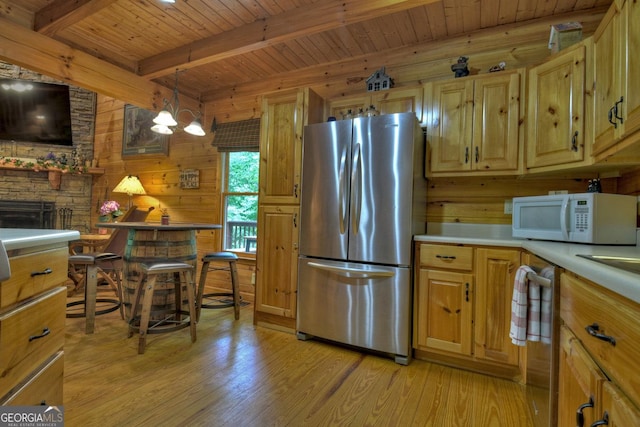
point(34, 273)
point(583, 304)
point(449, 257)
point(44, 387)
point(29, 335)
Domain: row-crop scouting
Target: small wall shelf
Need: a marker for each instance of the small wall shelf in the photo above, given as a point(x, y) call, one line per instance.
point(54, 173)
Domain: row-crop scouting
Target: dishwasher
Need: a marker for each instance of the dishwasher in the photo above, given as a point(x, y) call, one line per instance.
point(541, 374)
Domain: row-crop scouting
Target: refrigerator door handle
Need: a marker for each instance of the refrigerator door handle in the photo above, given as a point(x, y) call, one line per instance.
point(356, 188)
point(352, 272)
point(342, 188)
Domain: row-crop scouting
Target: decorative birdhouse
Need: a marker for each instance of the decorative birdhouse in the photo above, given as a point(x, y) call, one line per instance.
point(379, 81)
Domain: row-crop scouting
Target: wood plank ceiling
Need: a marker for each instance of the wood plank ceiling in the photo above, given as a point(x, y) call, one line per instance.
point(232, 46)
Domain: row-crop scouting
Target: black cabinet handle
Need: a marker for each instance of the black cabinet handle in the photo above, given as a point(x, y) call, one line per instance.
point(448, 257)
point(574, 142)
point(615, 110)
point(615, 125)
point(44, 333)
point(466, 292)
point(466, 155)
point(477, 154)
point(594, 331)
point(41, 273)
point(603, 422)
point(580, 415)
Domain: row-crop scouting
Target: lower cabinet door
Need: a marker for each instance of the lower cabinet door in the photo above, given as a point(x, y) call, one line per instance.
point(43, 388)
point(444, 310)
point(29, 335)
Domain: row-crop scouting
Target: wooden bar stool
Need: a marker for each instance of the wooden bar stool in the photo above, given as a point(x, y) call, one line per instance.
point(216, 258)
point(90, 264)
point(182, 274)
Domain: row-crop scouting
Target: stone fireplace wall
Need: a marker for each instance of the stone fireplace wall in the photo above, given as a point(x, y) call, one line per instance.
point(75, 189)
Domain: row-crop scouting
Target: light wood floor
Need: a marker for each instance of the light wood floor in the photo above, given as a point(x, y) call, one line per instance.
point(240, 375)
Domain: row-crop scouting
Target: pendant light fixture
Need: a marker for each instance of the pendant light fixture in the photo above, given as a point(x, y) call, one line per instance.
point(167, 119)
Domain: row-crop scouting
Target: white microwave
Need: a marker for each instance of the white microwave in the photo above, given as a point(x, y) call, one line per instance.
point(596, 218)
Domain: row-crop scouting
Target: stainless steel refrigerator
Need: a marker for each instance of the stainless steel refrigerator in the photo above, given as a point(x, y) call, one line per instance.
point(363, 198)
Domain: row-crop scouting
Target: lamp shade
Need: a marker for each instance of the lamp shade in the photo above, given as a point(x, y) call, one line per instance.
point(162, 129)
point(195, 128)
point(164, 117)
point(130, 185)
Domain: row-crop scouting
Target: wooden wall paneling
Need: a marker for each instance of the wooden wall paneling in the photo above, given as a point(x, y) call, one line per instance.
point(629, 183)
point(481, 200)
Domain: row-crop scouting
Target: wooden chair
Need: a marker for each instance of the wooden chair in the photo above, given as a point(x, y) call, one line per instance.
point(86, 268)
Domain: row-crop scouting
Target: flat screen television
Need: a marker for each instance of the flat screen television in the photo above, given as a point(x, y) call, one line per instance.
point(35, 112)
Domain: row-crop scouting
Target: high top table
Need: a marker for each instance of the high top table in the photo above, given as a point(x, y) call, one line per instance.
point(149, 242)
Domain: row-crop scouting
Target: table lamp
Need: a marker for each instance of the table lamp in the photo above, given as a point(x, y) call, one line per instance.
point(131, 185)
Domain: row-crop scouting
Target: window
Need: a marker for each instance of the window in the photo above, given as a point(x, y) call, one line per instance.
point(240, 200)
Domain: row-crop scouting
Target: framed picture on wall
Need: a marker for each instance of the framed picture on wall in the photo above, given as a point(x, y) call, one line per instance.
point(137, 137)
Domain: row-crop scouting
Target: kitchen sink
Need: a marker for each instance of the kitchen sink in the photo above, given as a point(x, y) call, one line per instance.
point(630, 264)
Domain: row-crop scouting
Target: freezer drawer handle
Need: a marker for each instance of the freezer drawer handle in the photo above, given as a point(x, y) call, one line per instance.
point(352, 272)
point(594, 331)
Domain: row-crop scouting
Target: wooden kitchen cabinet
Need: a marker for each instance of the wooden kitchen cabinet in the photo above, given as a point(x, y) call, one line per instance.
point(556, 112)
point(32, 322)
point(281, 148)
point(444, 311)
point(399, 100)
point(616, 68)
point(395, 100)
point(580, 382)
point(277, 265)
point(473, 125)
point(600, 343)
point(462, 303)
point(495, 273)
point(284, 116)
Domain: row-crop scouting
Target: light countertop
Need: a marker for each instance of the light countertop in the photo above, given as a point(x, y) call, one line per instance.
point(561, 254)
point(20, 238)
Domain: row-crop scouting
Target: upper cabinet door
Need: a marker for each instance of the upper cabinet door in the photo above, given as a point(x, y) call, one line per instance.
point(450, 125)
point(495, 122)
point(555, 132)
point(607, 74)
point(400, 100)
point(281, 148)
point(631, 92)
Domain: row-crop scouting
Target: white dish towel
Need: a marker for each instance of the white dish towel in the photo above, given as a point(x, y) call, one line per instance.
point(519, 306)
point(530, 308)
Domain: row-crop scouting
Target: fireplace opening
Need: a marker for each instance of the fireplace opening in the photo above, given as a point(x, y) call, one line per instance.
point(30, 214)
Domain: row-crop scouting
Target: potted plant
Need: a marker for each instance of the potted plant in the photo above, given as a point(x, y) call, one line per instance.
point(109, 211)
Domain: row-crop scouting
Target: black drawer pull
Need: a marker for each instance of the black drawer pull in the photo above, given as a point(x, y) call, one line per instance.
point(445, 256)
point(44, 333)
point(603, 422)
point(594, 331)
point(579, 412)
point(41, 273)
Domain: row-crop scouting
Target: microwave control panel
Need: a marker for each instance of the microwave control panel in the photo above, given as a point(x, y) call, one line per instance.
point(581, 214)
